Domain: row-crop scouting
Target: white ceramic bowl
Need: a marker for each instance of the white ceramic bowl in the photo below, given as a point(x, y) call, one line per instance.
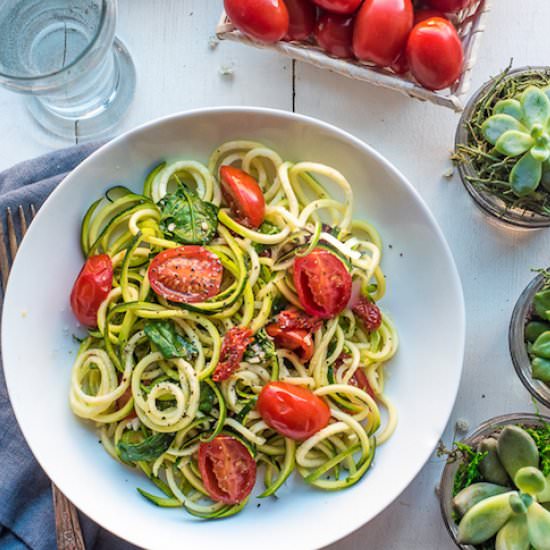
point(424, 298)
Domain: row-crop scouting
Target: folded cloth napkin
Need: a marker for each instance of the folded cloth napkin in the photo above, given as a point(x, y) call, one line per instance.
point(26, 506)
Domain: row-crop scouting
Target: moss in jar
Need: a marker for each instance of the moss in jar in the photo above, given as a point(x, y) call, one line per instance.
point(537, 331)
point(514, 168)
point(502, 489)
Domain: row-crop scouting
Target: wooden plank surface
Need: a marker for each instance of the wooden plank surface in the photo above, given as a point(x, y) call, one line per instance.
point(179, 69)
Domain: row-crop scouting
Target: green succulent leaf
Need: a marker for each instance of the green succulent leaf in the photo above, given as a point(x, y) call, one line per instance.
point(540, 369)
point(541, 301)
point(538, 526)
point(514, 143)
point(534, 329)
point(514, 535)
point(541, 346)
point(525, 175)
point(536, 106)
point(470, 496)
point(517, 449)
point(530, 480)
point(510, 107)
point(540, 153)
point(497, 125)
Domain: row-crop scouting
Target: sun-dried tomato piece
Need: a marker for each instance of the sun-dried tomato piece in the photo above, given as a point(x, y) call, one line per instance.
point(369, 313)
point(235, 342)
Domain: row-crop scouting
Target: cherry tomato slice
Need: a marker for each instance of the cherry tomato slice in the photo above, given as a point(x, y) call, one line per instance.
point(91, 287)
point(264, 20)
point(186, 274)
point(302, 15)
point(449, 6)
point(322, 282)
point(293, 411)
point(339, 6)
point(243, 195)
point(381, 30)
point(235, 342)
point(227, 468)
point(298, 340)
point(334, 33)
point(369, 314)
point(434, 53)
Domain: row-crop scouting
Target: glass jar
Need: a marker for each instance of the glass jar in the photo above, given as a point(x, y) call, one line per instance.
point(492, 206)
point(484, 430)
point(518, 349)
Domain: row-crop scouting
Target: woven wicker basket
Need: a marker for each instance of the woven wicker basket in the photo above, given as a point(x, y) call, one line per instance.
point(469, 24)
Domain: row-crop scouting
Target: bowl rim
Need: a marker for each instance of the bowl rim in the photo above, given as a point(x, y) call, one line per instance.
point(455, 282)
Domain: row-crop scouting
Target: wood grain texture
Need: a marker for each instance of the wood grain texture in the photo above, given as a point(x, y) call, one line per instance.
point(178, 70)
point(69, 535)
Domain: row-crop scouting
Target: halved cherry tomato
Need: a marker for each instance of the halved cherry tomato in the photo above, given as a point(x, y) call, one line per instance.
point(186, 274)
point(334, 33)
point(322, 282)
point(449, 6)
point(339, 6)
point(227, 468)
point(302, 14)
point(369, 314)
point(381, 30)
point(298, 340)
point(243, 195)
point(91, 287)
point(264, 20)
point(359, 378)
point(235, 342)
point(435, 53)
point(293, 411)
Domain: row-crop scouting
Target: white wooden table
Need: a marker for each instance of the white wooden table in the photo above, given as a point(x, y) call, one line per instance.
point(177, 70)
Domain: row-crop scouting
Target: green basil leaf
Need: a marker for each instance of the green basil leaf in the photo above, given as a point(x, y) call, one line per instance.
point(514, 143)
point(169, 342)
point(207, 398)
point(149, 449)
point(497, 125)
point(186, 218)
point(536, 106)
point(526, 175)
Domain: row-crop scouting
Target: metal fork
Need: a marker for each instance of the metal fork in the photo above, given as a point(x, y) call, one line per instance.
point(67, 525)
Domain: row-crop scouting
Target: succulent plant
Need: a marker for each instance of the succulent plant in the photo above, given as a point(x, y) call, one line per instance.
point(515, 509)
point(520, 127)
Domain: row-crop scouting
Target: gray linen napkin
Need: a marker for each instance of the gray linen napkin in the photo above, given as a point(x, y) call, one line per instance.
point(26, 510)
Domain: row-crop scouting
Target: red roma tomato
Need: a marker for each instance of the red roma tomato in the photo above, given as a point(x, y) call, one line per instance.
point(381, 30)
point(293, 411)
point(339, 6)
point(227, 468)
point(243, 195)
point(298, 340)
point(449, 6)
point(264, 20)
point(322, 282)
point(235, 342)
point(302, 15)
point(93, 284)
point(435, 53)
point(186, 274)
point(334, 33)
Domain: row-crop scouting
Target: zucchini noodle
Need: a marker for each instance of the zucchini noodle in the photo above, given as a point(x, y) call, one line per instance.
point(154, 410)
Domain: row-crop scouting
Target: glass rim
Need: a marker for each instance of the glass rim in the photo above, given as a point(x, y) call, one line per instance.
point(78, 59)
point(503, 214)
point(516, 343)
point(484, 429)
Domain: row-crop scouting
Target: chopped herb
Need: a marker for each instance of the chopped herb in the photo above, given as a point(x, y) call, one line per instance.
point(169, 342)
point(266, 228)
point(261, 350)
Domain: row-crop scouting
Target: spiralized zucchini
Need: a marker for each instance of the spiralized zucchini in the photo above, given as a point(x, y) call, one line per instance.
point(134, 394)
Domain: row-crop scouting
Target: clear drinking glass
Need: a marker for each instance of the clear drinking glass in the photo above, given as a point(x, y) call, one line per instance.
point(63, 54)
